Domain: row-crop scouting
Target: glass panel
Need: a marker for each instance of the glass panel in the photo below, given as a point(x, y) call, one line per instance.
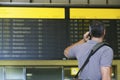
point(4, 0)
point(41, 1)
point(114, 72)
point(44, 74)
point(1, 73)
point(60, 1)
point(21, 1)
point(97, 1)
point(67, 73)
point(114, 2)
point(14, 74)
point(79, 1)
point(69, 76)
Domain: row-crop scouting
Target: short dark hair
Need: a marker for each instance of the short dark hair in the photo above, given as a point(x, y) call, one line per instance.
point(96, 28)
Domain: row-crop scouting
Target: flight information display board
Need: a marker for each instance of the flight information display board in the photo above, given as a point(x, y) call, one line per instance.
point(79, 26)
point(47, 38)
point(44, 32)
point(32, 38)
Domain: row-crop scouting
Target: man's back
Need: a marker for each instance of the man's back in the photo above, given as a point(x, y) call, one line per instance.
point(99, 66)
point(103, 57)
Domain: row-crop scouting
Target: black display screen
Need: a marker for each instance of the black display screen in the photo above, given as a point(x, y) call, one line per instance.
point(79, 26)
point(46, 39)
point(32, 38)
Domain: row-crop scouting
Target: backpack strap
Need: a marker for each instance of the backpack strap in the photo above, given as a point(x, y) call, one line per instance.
point(95, 48)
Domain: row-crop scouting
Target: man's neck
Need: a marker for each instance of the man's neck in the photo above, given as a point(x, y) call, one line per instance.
point(97, 39)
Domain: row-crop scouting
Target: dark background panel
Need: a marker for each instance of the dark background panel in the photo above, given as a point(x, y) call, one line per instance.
point(46, 39)
point(79, 26)
point(33, 39)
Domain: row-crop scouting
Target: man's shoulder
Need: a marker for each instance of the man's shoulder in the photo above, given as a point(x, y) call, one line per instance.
point(107, 50)
point(107, 47)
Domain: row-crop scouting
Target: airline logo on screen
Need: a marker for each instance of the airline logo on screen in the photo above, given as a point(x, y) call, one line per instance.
point(31, 12)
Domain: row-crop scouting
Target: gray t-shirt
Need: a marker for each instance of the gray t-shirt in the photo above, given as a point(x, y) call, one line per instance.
point(103, 57)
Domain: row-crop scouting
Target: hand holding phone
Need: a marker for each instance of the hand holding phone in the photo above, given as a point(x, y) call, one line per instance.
point(86, 36)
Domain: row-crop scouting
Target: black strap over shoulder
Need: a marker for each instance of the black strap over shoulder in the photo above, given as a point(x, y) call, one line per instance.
point(98, 46)
point(95, 48)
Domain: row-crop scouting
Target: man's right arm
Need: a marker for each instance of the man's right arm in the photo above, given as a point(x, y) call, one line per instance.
point(66, 51)
point(86, 38)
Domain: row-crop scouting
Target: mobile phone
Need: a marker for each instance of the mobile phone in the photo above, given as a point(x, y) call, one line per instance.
point(89, 36)
point(89, 32)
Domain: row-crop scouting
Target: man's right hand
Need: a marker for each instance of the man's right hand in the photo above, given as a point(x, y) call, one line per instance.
point(86, 36)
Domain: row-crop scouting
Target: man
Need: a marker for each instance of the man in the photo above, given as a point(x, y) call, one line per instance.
point(99, 65)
